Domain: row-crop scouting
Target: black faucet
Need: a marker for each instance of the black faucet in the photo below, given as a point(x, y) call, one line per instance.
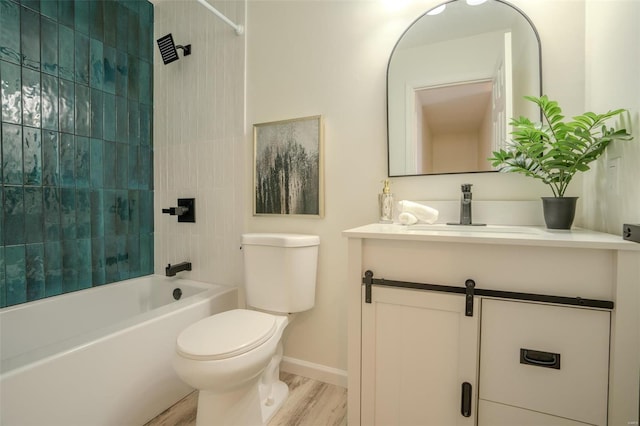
point(465, 204)
point(465, 207)
point(172, 270)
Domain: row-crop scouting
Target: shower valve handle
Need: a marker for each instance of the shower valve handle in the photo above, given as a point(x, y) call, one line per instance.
point(186, 210)
point(176, 211)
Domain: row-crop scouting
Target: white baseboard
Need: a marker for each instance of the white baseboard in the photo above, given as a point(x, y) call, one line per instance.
point(314, 371)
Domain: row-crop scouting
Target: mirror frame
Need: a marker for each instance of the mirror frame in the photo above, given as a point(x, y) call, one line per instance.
point(506, 3)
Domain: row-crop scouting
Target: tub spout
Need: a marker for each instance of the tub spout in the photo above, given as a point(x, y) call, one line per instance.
point(172, 270)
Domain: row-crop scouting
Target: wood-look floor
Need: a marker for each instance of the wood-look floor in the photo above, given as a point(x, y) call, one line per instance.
point(310, 403)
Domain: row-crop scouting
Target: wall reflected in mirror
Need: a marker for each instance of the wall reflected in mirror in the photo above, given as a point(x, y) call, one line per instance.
point(453, 128)
point(454, 80)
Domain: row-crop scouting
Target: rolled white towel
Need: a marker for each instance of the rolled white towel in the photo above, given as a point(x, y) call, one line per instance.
point(423, 213)
point(406, 218)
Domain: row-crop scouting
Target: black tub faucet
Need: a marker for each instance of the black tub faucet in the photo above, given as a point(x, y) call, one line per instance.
point(172, 270)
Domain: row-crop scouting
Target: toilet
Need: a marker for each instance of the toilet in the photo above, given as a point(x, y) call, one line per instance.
point(233, 358)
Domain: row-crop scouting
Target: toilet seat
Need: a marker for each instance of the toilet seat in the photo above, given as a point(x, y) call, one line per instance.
point(225, 335)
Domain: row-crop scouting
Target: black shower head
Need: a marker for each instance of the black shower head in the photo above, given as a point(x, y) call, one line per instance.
point(168, 49)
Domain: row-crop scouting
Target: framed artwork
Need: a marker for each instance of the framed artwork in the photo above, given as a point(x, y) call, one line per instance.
point(288, 176)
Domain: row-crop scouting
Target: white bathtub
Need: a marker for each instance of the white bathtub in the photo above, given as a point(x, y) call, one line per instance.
point(100, 356)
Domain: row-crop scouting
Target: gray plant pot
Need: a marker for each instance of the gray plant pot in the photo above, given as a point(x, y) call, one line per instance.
point(559, 211)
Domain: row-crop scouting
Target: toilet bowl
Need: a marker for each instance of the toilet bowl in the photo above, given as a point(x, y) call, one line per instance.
point(233, 358)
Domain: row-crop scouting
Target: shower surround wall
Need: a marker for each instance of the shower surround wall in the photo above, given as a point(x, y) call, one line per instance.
point(77, 113)
point(199, 140)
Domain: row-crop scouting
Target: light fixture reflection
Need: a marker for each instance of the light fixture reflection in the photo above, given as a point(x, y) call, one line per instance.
point(475, 2)
point(438, 10)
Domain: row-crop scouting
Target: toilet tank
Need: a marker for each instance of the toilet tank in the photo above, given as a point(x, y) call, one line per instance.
point(280, 271)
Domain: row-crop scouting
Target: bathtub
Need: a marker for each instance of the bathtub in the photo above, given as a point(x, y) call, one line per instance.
point(100, 356)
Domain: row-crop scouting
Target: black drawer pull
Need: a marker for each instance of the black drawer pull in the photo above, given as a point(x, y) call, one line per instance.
point(540, 359)
point(465, 404)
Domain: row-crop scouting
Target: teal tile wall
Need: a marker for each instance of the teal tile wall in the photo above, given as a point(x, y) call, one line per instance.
point(76, 193)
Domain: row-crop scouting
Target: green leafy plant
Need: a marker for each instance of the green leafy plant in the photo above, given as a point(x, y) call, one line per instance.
point(554, 150)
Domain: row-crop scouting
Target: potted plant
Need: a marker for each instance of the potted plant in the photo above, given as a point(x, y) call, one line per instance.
point(554, 151)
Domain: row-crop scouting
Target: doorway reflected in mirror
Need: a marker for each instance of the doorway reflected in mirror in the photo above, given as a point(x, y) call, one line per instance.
point(440, 55)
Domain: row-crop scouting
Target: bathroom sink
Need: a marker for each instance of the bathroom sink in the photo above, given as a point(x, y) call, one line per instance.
point(487, 229)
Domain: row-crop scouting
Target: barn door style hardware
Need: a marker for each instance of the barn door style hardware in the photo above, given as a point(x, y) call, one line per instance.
point(470, 291)
point(468, 297)
point(467, 290)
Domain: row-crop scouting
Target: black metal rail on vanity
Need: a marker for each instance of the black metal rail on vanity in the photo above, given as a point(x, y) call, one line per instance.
point(470, 290)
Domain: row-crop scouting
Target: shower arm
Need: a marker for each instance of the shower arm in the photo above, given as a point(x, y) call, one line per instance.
point(239, 28)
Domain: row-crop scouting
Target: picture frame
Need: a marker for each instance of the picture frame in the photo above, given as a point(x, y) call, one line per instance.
point(288, 163)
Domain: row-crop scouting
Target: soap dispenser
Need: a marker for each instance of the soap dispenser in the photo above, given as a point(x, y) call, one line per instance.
point(385, 202)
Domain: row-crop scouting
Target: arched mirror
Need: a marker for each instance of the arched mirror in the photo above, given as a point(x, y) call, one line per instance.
point(454, 80)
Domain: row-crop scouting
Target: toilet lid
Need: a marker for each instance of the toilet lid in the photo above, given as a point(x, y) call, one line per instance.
point(226, 334)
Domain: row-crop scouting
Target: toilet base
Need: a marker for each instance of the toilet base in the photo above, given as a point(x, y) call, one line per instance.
point(251, 406)
point(243, 390)
point(270, 406)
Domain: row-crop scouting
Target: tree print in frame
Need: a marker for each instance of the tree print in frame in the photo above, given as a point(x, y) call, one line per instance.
point(287, 175)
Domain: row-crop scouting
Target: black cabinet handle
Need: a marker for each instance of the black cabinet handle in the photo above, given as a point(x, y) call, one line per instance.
point(540, 358)
point(465, 405)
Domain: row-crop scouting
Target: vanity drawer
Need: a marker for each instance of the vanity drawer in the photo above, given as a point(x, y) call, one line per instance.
point(546, 358)
point(494, 414)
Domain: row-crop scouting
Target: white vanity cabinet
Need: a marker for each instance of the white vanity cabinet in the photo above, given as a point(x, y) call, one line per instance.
point(413, 371)
point(411, 350)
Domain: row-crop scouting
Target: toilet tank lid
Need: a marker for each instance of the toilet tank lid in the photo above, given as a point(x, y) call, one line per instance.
point(280, 240)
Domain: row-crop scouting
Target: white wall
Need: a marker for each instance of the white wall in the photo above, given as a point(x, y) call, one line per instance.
point(199, 140)
point(330, 58)
point(612, 81)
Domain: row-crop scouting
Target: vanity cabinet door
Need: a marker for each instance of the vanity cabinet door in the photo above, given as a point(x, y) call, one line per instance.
point(418, 349)
point(545, 358)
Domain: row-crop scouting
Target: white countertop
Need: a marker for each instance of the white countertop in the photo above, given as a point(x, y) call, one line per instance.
point(507, 235)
